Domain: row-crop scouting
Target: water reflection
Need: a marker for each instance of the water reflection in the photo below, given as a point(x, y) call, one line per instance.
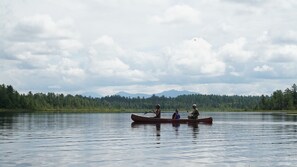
point(104, 139)
point(195, 129)
point(157, 129)
point(7, 120)
point(176, 127)
point(158, 133)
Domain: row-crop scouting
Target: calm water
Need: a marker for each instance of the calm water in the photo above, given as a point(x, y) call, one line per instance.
point(101, 139)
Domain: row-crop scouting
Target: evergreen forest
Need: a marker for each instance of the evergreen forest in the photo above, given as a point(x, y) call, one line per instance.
point(11, 100)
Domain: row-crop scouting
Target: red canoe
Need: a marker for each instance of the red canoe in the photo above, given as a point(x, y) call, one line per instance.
point(143, 119)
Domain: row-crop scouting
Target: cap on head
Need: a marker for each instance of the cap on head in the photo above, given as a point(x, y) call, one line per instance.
point(158, 106)
point(194, 105)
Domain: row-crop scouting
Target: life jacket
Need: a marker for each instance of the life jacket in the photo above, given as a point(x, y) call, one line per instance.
point(173, 115)
point(158, 114)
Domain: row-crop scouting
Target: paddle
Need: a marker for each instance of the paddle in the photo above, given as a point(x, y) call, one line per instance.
point(147, 112)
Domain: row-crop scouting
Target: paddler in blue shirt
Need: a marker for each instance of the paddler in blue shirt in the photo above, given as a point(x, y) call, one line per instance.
point(176, 115)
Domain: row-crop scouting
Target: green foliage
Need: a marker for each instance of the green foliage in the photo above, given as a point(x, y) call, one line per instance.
point(280, 100)
point(11, 99)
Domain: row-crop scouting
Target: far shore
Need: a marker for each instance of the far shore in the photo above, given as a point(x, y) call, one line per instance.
point(288, 112)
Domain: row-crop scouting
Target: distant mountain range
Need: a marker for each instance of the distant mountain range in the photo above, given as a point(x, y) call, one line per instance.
point(91, 94)
point(169, 93)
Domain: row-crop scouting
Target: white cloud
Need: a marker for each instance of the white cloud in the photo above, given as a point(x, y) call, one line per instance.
point(39, 27)
point(178, 14)
point(193, 58)
point(235, 51)
point(111, 62)
point(250, 44)
point(263, 68)
point(105, 40)
point(264, 37)
point(69, 69)
point(43, 48)
point(40, 36)
point(106, 47)
point(281, 53)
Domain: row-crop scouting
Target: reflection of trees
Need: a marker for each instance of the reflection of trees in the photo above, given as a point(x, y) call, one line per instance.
point(278, 117)
point(285, 128)
point(7, 119)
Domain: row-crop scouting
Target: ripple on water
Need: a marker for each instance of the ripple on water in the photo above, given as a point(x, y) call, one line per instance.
point(111, 140)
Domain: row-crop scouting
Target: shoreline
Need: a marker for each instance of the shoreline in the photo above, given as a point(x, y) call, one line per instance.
point(287, 112)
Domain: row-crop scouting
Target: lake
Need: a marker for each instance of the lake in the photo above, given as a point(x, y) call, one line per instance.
point(110, 139)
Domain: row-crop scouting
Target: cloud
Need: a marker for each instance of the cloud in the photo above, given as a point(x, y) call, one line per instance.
point(39, 27)
point(38, 37)
point(264, 37)
point(242, 46)
point(237, 58)
point(68, 69)
point(264, 68)
point(283, 59)
point(235, 51)
point(177, 14)
point(111, 63)
point(249, 2)
point(194, 58)
point(40, 47)
point(281, 53)
point(287, 38)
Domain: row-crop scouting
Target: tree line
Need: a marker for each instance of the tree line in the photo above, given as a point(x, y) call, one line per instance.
point(12, 100)
point(280, 100)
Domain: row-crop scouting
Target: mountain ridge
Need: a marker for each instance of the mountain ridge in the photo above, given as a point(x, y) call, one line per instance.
point(168, 93)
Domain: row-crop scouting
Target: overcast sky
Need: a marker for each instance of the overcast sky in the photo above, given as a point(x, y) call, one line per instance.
point(226, 47)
